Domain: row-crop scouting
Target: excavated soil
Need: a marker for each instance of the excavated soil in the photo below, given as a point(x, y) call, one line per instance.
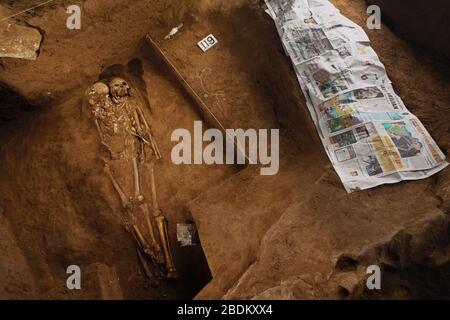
point(294, 235)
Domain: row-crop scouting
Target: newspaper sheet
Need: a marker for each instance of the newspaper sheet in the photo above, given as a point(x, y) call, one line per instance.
point(368, 133)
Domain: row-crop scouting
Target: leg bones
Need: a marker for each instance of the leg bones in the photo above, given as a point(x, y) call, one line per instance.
point(161, 223)
point(123, 198)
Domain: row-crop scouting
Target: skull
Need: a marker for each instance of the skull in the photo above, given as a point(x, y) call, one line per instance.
point(119, 89)
point(98, 91)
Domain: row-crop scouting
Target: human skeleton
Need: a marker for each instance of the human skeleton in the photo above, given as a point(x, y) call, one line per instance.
point(126, 134)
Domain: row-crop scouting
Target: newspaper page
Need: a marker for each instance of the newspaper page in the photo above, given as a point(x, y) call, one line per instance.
point(368, 133)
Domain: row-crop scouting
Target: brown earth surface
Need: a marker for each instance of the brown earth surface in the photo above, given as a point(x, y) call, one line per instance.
point(294, 235)
point(425, 23)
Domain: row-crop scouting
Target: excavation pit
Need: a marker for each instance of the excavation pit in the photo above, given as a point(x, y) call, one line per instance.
point(263, 237)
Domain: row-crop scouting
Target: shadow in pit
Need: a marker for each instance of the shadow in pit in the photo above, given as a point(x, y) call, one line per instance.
point(12, 103)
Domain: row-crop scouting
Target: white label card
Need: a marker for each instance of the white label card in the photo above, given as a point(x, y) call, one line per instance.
point(207, 43)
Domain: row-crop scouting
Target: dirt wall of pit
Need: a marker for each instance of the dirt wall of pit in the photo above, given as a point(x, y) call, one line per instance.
point(423, 22)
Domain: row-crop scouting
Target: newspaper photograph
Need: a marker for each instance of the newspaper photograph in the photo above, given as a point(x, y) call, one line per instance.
point(368, 133)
